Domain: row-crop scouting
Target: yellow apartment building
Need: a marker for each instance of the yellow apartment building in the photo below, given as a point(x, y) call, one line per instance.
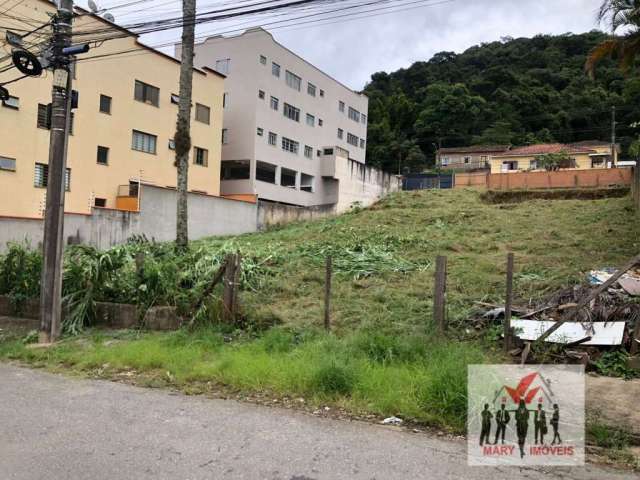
point(587, 154)
point(122, 130)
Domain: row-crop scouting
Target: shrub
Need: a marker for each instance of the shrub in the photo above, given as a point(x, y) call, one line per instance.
point(333, 378)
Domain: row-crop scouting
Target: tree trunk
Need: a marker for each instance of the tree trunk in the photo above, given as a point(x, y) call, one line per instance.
point(183, 126)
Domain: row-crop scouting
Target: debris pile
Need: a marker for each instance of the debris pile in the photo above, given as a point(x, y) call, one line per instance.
point(583, 321)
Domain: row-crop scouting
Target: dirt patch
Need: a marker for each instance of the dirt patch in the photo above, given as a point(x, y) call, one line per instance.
point(516, 196)
point(614, 401)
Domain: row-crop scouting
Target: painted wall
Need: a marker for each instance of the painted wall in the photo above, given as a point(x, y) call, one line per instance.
point(104, 228)
point(271, 214)
point(113, 76)
point(583, 160)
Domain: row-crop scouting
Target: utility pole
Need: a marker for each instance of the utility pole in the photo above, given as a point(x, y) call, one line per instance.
point(51, 285)
point(613, 137)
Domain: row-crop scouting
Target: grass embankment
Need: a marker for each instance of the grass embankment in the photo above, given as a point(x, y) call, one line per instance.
point(382, 357)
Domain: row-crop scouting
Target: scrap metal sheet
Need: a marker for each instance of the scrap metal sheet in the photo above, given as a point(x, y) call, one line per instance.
point(609, 333)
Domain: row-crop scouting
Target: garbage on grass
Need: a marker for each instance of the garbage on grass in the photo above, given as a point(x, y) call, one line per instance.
point(392, 421)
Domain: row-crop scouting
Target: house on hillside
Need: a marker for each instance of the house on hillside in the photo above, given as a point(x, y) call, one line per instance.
point(476, 157)
point(582, 156)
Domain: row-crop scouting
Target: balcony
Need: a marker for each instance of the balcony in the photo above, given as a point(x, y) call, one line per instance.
point(329, 158)
point(127, 197)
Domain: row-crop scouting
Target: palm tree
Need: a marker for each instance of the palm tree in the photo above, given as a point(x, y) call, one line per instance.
point(618, 15)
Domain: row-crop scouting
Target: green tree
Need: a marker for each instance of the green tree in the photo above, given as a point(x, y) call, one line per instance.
point(619, 15)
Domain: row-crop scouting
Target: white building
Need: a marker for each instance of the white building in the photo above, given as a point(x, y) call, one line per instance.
point(286, 123)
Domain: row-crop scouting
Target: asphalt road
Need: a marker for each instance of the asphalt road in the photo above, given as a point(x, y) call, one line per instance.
point(54, 427)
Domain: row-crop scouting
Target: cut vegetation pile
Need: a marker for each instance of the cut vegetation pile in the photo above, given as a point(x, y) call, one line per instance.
point(382, 357)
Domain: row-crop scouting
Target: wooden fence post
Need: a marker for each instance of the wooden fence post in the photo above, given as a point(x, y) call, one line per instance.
point(508, 303)
point(327, 294)
point(439, 290)
point(237, 271)
point(635, 338)
point(227, 293)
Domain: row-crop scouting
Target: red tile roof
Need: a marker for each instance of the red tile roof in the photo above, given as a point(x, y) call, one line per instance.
point(476, 149)
point(544, 148)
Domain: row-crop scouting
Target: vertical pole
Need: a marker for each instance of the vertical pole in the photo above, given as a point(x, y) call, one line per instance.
point(613, 137)
point(236, 284)
point(51, 285)
point(508, 303)
point(327, 294)
point(439, 302)
point(635, 338)
point(227, 292)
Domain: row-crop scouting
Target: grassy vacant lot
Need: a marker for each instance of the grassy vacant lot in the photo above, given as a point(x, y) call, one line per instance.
point(382, 357)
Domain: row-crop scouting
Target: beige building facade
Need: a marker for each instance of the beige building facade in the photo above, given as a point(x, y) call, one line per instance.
point(284, 121)
point(585, 155)
point(476, 157)
point(122, 129)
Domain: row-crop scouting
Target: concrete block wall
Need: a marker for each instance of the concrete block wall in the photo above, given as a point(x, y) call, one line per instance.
point(362, 184)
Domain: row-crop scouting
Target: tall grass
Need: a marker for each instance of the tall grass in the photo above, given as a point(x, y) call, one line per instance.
point(420, 380)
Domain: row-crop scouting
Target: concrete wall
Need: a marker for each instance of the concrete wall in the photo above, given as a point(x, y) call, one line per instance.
point(471, 179)
point(271, 214)
point(362, 184)
point(105, 228)
point(208, 215)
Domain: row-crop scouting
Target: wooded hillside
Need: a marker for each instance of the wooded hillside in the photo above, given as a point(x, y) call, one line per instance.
point(517, 91)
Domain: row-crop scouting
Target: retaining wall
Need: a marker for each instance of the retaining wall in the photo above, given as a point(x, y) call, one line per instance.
point(601, 177)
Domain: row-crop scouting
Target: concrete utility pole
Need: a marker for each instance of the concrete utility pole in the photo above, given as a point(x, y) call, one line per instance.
point(51, 285)
point(613, 136)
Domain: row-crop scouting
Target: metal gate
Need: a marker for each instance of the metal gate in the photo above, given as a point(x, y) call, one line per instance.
point(424, 181)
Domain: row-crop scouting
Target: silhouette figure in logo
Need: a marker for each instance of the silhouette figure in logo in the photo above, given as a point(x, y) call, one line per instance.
point(502, 418)
point(540, 424)
point(486, 424)
point(555, 421)
point(522, 425)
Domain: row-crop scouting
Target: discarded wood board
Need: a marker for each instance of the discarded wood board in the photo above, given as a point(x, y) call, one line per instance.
point(609, 333)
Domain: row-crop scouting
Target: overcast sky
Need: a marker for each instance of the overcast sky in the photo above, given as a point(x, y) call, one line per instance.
point(352, 50)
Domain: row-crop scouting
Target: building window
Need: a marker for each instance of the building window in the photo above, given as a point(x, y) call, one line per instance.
point(261, 94)
point(444, 161)
point(288, 177)
point(8, 164)
point(363, 117)
point(263, 60)
point(311, 120)
point(291, 112)
point(203, 113)
point(265, 172)
point(172, 144)
point(467, 159)
point(200, 156)
point(41, 177)
point(533, 165)
point(236, 170)
point(306, 182)
point(352, 139)
point(100, 202)
point(321, 93)
point(174, 99)
point(12, 102)
point(105, 104)
point(223, 65)
point(102, 156)
point(293, 80)
point(44, 116)
point(260, 131)
point(341, 106)
point(362, 143)
point(146, 93)
point(273, 139)
point(308, 151)
point(275, 69)
point(289, 145)
point(340, 133)
point(354, 114)
point(274, 103)
point(319, 122)
point(143, 142)
point(225, 100)
point(311, 89)
point(225, 136)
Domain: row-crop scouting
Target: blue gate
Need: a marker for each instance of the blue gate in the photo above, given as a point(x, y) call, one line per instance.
point(422, 181)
